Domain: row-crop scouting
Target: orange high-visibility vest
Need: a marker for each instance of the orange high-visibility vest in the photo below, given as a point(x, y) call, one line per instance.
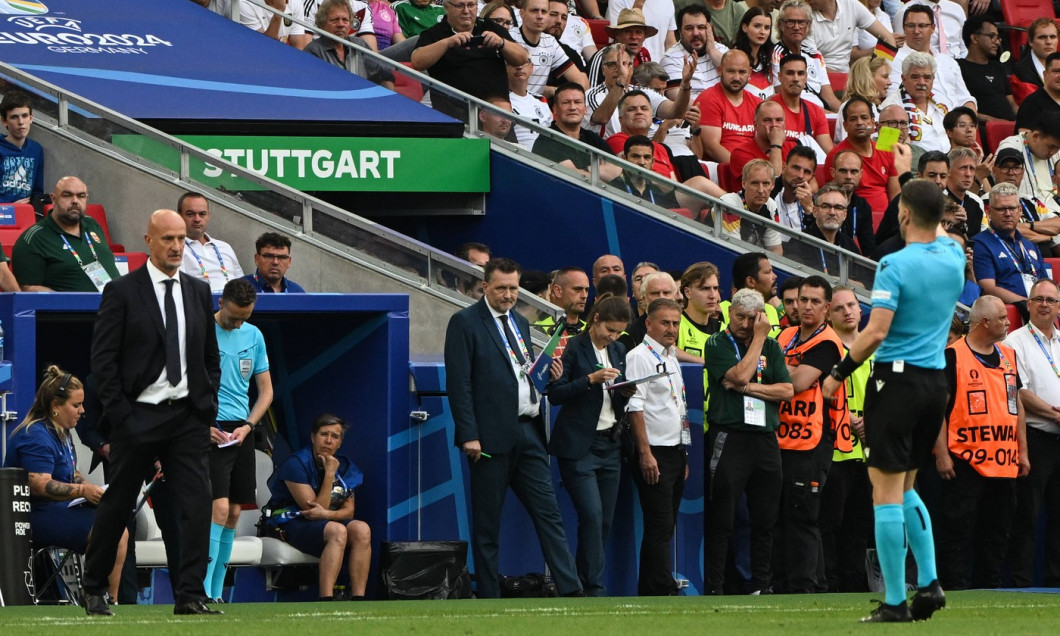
point(983, 423)
point(802, 418)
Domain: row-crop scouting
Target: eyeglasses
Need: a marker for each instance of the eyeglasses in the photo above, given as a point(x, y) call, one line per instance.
point(838, 207)
point(1012, 167)
point(464, 6)
point(796, 23)
point(965, 126)
point(894, 123)
point(918, 27)
point(274, 257)
point(1006, 210)
point(1044, 300)
point(501, 21)
point(994, 37)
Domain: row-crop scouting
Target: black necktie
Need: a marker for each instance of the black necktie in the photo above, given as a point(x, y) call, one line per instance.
point(514, 344)
point(172, 339)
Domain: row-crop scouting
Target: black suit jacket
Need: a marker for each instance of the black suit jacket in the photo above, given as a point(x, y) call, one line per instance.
point(129, 350)
point(1025, 71)
point(483, 391)
point(582, 402)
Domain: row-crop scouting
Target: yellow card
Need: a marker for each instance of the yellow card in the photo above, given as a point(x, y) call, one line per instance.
point(887, 138)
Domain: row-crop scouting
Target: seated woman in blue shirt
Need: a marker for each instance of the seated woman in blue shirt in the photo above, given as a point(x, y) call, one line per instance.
point(42, 445)
point(312, 507)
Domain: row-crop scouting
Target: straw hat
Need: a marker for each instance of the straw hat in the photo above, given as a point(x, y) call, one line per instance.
point(629, 18)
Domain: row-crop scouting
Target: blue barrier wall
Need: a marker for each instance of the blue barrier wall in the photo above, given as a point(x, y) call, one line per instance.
point(341, 353)
point(432, 504)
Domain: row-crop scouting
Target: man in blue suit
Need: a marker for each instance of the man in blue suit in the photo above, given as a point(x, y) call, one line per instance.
point(499, 427)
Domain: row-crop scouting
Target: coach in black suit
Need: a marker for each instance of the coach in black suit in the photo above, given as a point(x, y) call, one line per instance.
point(585, 437)
point(499, 427)
point(154, 355)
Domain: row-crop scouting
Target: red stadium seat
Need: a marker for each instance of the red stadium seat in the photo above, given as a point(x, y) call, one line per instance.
point(838, 82)
point(822, 176)
point(725, 179)
point(97, 212)
point(17, 216)
point(405, 85)
point(685, 212)
point(1015, 321)
point(996, 132)
point(1020, 90)
point(1054, 264)
point(599, 30)
point(133, 260)
point(8, 236)
point(1020, 13)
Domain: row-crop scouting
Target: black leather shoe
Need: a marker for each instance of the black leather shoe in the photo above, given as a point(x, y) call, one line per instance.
point(578, 593)
point(96, 605)
point(194, 607)
point(927, 601)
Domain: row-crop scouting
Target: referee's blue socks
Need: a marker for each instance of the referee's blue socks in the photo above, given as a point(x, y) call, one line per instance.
point(215, 546)
point(224, 555)
point(890, 548)
point(921, 539)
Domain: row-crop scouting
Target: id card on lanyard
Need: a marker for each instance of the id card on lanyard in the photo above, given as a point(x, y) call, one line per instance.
point(682, 401)
point(754, 409)
point(93, 270)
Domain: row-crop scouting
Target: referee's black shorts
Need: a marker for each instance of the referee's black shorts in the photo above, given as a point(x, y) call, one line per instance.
point(232, 469)
point(903, 415)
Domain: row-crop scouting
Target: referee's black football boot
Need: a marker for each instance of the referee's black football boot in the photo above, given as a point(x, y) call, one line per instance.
point(927, 601)
point(885, 613)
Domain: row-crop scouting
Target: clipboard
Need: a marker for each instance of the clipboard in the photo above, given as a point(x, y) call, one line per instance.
point(620, 385)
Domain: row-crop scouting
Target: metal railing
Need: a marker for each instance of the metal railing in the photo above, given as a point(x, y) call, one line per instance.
point(326, 226)
point(804, 254)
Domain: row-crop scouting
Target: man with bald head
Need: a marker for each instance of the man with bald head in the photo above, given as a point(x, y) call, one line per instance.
point(157, 366)
point(607, 264)
point(66, 250)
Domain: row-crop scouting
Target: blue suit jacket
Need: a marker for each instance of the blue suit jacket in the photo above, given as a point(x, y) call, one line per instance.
point(576, 423)
point(483, 391)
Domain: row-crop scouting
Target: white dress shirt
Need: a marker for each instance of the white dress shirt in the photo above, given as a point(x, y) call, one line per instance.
point(953, 18)
point(662, 400)
point(834, 39)
point(949, 88)
point(1036, 374)
point(161, 389)
point(527, 407)
point(214, 262)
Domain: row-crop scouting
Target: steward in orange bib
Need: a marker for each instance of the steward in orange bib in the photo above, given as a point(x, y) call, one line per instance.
point(806, 437)
point(979, 452)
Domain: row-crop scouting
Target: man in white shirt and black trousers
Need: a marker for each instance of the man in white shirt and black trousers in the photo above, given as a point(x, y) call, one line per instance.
point(658, 416)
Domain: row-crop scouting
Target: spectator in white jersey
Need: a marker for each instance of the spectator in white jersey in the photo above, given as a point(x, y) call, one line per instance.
point(526, 104)
point(544, 50)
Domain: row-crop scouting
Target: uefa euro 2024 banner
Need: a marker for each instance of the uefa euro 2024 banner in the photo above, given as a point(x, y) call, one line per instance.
point(174, 60)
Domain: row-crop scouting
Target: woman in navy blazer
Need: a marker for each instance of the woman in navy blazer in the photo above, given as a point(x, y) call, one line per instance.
point(584, 438)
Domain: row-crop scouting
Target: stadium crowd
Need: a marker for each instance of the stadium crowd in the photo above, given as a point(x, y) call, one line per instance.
point(739, 101)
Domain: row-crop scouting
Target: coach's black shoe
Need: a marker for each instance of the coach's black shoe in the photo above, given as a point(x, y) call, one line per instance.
point(927, 601)
point(96, 605)
point(194, 607)
point(889, 614)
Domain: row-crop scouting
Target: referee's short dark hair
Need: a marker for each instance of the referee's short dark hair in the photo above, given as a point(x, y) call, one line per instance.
point(502, 265)
point(272, 239)
point(240, 292)
point(1048, 124)
point(925, 201)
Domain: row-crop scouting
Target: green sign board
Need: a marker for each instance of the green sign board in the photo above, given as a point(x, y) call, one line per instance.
point(351, 164)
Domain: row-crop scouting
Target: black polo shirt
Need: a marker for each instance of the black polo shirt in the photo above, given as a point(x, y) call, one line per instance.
point(475, 70)
point(1031, 110)
point(557, 151)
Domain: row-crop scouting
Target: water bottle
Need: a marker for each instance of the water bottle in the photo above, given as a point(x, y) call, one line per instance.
point(1, 339)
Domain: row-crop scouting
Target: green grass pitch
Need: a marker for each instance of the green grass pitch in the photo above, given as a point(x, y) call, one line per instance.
point(967, 613)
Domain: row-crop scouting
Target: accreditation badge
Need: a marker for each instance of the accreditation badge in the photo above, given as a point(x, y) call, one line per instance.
point(246, 365)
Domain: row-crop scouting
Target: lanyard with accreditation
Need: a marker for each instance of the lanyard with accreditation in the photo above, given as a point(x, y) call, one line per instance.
point(682, 402)
point(93, 270)
point(754, 409)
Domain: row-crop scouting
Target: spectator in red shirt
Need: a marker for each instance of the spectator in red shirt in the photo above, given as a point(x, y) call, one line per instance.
point(804, 121)
point(727, 110)
point(880, 169)
point(770, 141)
